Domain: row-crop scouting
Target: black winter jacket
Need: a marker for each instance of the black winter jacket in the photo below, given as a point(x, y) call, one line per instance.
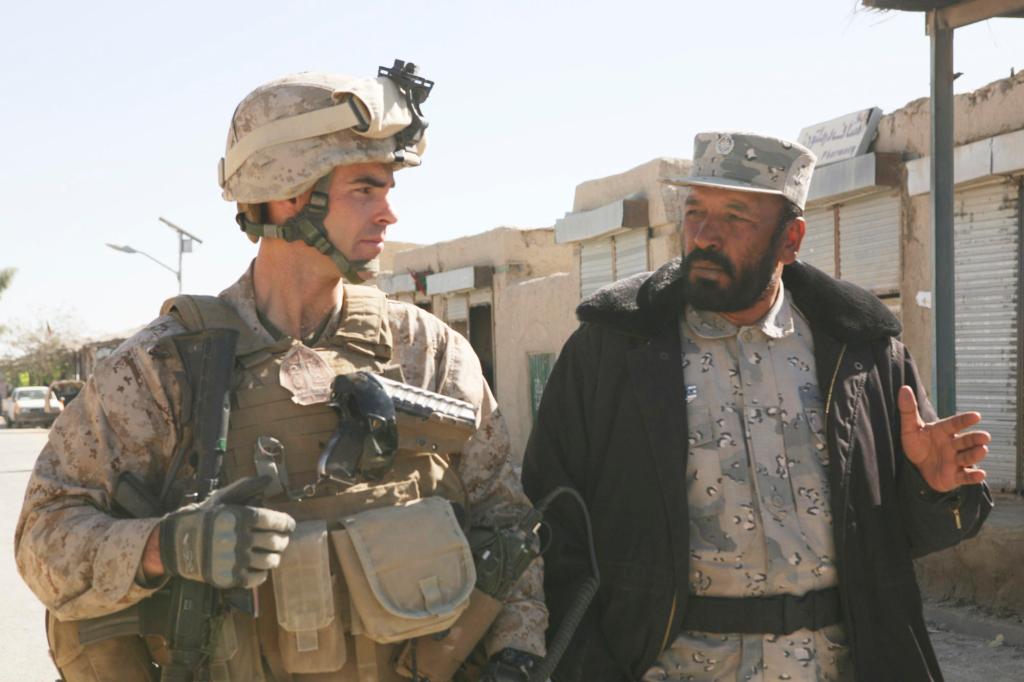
point(612, 424)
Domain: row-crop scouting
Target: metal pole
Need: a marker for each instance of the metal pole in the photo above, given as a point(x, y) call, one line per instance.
point(181, 250)
point(161, 264)
point(183, 234)
point(943, 269)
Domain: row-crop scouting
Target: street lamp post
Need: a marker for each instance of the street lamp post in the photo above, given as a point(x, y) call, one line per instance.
point(185, 240)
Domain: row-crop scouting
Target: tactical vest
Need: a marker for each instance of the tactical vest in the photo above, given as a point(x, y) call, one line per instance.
point(350, 542)
point(316, 640)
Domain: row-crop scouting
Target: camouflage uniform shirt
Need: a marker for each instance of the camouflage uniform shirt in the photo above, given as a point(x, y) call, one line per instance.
point(760, 521)
point(82, 562)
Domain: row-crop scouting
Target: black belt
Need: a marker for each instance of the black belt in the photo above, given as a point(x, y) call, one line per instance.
point(779, 614)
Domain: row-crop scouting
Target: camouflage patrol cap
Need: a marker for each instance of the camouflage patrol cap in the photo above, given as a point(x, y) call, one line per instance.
point(288, 133)
point(751, 163)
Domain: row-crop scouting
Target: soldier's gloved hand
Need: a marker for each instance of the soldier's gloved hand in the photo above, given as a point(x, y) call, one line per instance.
point(221, 541)
point(509, 665)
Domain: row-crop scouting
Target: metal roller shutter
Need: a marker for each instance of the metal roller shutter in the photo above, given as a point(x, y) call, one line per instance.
point(458, 308)
point(986, 223)
point(630, 253)
point(869, 242)
point(819, 245)
point(595, 265)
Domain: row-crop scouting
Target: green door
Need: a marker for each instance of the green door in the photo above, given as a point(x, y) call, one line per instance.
point(540, 369)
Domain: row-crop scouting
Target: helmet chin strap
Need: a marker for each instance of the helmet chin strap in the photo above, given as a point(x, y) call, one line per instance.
point(308, 226)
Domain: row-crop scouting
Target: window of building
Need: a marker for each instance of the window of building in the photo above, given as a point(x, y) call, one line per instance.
point(540, 369)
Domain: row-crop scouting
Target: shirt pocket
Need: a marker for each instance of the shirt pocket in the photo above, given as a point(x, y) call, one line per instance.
point(722, 516)
point(703, 468)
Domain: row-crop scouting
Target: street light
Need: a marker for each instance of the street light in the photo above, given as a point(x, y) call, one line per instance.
point(185, 240)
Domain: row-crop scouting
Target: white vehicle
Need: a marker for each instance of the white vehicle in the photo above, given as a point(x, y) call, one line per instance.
point(27, 406)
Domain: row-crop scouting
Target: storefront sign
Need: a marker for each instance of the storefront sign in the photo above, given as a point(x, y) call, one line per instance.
point(842, 138)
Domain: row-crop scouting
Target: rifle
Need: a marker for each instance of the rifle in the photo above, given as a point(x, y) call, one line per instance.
point(183, 611)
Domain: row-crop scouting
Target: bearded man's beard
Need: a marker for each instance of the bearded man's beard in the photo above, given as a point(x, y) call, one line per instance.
point(741, 292)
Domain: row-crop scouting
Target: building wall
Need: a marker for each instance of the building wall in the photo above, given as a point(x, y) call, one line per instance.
point(991, 110)
point(917, 277)
point(994, 109)
point(497, 247)
point(643, 180)
point(387, 257)
point(536, 316)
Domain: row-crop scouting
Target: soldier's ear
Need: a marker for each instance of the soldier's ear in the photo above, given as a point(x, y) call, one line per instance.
point(278, 211)
point(792, 238)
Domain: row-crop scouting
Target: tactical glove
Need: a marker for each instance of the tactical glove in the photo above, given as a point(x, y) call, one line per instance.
point(509, 665)
point(223, 543)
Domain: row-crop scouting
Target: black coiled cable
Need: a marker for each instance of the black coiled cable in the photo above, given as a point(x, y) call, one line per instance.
point(580, 604)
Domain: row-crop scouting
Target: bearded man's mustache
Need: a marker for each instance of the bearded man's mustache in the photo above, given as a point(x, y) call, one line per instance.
point(713, 257)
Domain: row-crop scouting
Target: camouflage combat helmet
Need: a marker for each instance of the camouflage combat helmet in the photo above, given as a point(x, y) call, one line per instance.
point(288, 135)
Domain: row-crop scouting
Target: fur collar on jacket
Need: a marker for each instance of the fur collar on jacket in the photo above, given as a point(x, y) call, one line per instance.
point(645, 304)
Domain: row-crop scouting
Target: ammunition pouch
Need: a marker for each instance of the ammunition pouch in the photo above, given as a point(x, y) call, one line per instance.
point(409, 569)
point(311, 635)
point(501, 557)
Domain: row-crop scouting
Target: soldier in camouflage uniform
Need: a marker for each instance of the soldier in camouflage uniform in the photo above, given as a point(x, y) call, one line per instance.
point(310, 161)
point(747, 433)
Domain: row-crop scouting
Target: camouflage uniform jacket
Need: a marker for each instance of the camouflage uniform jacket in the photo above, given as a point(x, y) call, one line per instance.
point(612, 423)
point(82, 562)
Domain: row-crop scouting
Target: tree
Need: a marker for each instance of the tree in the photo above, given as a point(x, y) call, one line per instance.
point(40, 354)
point(6, 275)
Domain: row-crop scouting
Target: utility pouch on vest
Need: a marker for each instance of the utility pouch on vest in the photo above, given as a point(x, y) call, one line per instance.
point(409, 569)
point(119, 658)
point(437, 658)
point(311, 636)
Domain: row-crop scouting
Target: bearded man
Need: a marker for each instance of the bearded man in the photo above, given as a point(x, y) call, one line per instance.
point(757, 452)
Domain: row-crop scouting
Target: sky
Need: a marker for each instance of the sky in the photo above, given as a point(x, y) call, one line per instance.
point(116, 113)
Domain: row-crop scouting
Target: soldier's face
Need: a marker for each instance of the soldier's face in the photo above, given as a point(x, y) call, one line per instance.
point(358, 212)
point(734, 247)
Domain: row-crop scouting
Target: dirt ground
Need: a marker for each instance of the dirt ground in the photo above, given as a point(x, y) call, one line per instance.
point(972, 659)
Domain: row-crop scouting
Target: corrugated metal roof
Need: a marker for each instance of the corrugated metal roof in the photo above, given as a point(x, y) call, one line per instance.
point(908, 5)
point(923, 5)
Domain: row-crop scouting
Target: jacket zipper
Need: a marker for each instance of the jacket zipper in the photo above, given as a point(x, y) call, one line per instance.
point(668, 628)
point(832, 384)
